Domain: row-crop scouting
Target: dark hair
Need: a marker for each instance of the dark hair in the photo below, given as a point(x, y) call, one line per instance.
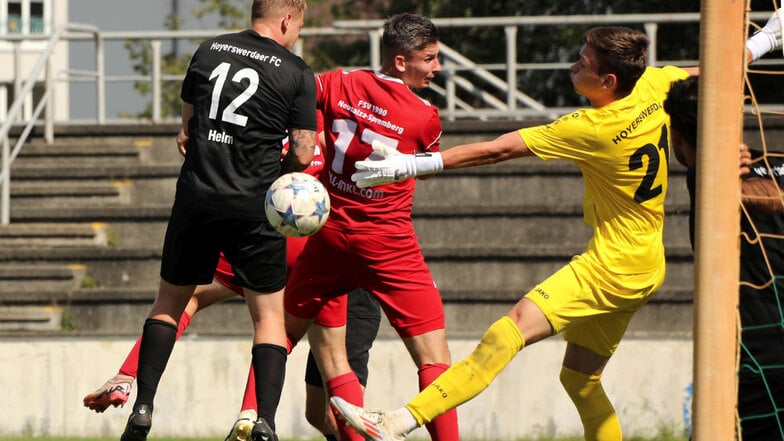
point(681, 104)
point(621, 51)
point(407, 33)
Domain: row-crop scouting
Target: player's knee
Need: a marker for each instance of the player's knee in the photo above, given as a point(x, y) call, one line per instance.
point(579, 386)
point(600, 423)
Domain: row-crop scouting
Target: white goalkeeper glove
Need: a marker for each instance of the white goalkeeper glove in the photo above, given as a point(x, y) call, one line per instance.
point(394, 166)
point(766, 39)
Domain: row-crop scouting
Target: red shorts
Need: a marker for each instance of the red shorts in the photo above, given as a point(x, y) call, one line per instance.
point(392, 268)
point(224, 274)
point(294, 246)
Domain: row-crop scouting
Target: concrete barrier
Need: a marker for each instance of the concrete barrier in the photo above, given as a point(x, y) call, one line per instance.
point(44, 379)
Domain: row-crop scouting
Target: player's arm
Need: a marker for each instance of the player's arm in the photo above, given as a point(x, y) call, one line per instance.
point(765, 40)
point(507, 146)
point(759, 194)
point(302, 145)
point(182, 136)
point(397, 166)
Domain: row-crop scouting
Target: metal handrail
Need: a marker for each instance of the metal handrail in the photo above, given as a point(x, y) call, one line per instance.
point(43, 64)
point(515, 105)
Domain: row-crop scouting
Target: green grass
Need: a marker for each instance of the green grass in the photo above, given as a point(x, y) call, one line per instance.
point(664, 437)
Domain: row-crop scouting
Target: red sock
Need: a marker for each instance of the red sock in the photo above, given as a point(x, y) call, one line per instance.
point(444, 427)
point(249, 398)
point(131, 363)
point(346, 386)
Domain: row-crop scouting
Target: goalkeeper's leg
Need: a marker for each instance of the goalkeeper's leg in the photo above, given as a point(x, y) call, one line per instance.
point(458, 384)
point(600, 423)
point(467, 378)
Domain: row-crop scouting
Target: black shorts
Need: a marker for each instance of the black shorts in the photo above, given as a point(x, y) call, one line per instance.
point(364, 318)
point(195, 238)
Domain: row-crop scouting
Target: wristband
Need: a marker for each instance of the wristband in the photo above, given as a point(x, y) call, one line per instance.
point(427, 163)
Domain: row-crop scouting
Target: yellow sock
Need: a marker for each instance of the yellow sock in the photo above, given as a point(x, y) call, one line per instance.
point(466, 379)
point(600, 422)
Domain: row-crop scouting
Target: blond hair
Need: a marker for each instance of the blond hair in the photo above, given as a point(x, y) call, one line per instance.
point(262, 8)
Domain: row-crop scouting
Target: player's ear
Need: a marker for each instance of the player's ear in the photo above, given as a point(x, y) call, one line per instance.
point(285, 23)
point(400, 63)
point(610, 81)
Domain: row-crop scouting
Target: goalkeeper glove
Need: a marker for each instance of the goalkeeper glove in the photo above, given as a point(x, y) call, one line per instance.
point(394, 166)
point(766, 39)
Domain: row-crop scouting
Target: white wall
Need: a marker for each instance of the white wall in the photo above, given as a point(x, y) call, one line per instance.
point(29, 56)
point(43, 381)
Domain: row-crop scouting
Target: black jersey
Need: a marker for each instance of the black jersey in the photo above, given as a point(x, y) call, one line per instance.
point(761, 265)
point(246, 91)
point(762, 261)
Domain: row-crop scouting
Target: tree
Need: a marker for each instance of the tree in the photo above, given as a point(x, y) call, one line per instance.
point(229, 15)
point(484, 45)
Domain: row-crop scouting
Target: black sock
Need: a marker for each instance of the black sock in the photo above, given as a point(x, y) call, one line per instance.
point(331, 437)
point(157, 343)
point(269, 367)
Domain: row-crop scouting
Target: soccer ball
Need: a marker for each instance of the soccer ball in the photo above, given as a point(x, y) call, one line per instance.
point(297, 204)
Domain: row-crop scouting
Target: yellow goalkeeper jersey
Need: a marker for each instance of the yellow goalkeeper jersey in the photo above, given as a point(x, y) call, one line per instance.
point(622, 150)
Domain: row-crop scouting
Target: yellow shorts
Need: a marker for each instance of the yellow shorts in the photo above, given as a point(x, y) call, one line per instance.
point(591, 306)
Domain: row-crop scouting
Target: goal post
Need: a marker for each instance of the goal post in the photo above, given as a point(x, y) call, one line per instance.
point(716, 264)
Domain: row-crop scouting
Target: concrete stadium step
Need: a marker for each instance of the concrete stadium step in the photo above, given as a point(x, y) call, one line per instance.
point(105, 266)
point(520, 226)
point(435, 226)
point(68, 194)
point(153, 144)
point(499, 269)
point(133, 184)
point(121, 311)
point(27, 235)
point(77, 155)
point(658, 318)
point(521, 182)
point(14, 319)
point(461, 268)
point(18, 279)
point(79, 147)
point(110, 171)
point(104, 213)
point(488, 233)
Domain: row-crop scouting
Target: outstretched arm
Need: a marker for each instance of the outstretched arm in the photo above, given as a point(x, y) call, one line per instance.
point(510, 145)
point(396, 166)
point(766, 39)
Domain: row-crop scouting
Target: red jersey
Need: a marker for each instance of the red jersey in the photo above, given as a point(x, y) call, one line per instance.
point(359, 107)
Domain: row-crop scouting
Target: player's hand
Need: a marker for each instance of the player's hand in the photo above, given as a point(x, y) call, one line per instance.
point(182, 142)
point(745, 160)
point(394, 166)
point(390, 168)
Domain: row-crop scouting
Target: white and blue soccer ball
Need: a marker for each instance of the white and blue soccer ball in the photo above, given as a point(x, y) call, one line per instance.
point(297, 204)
